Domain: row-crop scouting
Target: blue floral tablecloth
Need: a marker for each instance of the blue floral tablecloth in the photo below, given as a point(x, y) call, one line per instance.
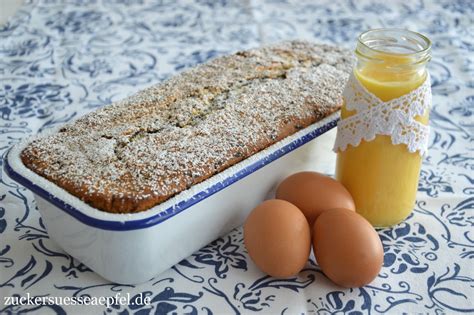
point(62, 59)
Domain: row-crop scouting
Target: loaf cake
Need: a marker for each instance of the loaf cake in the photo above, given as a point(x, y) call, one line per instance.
point(136, 153)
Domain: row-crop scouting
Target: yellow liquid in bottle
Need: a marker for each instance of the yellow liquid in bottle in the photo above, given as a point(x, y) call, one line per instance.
point(382, 177)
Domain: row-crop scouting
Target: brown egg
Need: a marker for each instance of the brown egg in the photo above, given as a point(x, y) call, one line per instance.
point(277, 238)
point(347, 248)
point(314, 193)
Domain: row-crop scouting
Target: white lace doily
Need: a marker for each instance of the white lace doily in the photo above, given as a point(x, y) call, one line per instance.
point(395, 118)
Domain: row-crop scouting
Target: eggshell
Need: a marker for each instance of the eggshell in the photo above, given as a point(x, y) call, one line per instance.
point(314, 193)
point(277, 238)
point(347, 248)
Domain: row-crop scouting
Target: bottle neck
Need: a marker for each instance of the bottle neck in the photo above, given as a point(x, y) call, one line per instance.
point(392, 55)
point(392, 62)
point(387, 67)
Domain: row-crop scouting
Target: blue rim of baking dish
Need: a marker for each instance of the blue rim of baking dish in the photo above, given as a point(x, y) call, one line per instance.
point(175, 209)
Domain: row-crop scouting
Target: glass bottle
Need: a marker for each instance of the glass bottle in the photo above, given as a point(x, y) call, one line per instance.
point(383, 177)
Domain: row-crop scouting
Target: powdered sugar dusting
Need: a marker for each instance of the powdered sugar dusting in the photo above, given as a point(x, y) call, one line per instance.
point(135, 153)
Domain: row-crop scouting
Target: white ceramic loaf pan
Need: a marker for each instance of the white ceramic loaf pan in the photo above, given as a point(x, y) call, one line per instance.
point(133, 248)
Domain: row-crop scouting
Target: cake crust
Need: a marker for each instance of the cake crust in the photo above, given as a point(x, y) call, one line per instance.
point(138, 152)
